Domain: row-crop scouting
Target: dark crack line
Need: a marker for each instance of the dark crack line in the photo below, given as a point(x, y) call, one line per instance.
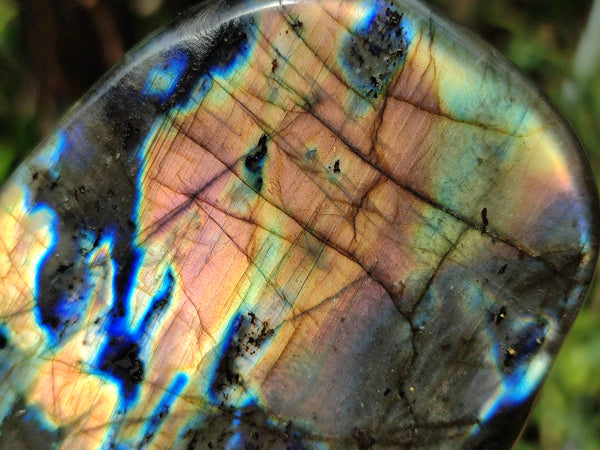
point(351, 203)
point(325, 65)
point(358, 153)
point(421, 196)
point(263, 127)
point(279, 80)
point(277, 289)
point(478, 125)
point(436, 205)
point(162, 222)
point(362, 280)
point(309, 110)
point(284, 258)
point(323, 302)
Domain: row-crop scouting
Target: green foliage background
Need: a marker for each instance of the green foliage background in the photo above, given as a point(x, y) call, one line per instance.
point(541, 36)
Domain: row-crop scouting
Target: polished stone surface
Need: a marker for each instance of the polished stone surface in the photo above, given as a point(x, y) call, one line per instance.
point(334, 224)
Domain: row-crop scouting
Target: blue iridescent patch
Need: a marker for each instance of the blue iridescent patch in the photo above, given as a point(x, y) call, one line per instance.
point(163, 79)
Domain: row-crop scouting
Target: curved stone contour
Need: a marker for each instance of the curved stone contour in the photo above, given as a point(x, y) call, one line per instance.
point(334, 224)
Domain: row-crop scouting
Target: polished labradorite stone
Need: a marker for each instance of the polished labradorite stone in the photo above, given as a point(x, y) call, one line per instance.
point(305, 225)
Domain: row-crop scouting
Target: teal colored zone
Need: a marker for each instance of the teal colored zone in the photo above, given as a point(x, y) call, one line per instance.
point(477, 90)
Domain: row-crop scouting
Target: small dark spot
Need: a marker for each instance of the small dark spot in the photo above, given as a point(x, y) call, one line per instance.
point(62, 268)
point(258, 184)
point(509, 358)
point(310, 154)
point(254, 160)
point(274, 65)
point(97, 240)
point(500, 315)
point(336, 166)
point(35, 176)
point(484, 219)
point(387, 391)
point(363, 440)
point(82, 189)
point(52, 320)
point(502, 269)
point(163, 412)
point(375, 50)
point(343, 319)
point(394, 16)
point(526, 345)
point(3, 340)
point(445, 347)
point(297, 24)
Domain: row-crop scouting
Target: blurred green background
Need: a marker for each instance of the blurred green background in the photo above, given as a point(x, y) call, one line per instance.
point(51, 51)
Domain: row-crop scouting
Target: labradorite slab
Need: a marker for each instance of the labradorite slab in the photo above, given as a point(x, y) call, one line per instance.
point(299, 225)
